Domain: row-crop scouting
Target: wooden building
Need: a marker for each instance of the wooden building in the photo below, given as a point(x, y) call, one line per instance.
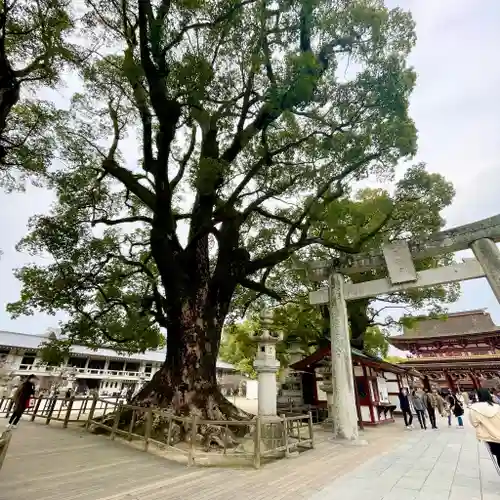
point(377, 384)
point(461, 351)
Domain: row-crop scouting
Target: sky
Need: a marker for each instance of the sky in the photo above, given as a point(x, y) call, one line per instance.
point(456, 107)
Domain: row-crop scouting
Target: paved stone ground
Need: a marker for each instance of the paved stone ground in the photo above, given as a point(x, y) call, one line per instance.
point(49, 463)
point(448, 464)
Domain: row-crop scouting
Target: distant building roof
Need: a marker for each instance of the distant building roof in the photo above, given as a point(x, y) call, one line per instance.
point(455, 324)
point(33, 342)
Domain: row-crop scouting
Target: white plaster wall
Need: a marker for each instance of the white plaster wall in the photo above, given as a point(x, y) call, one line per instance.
point(321, 394)
point(365, 414)
point(383, 390)
point(392, 386)
point(358, 371)
point(395, 401)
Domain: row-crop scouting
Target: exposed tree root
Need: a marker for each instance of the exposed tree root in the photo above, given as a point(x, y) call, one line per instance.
point(207, 406)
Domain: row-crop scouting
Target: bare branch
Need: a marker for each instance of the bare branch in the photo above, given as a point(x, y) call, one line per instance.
point(124, 220)
point(185, 160)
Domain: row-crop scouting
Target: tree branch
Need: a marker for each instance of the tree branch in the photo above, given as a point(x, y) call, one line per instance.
point(185, 160)
point(124, 220)
point(259, 287)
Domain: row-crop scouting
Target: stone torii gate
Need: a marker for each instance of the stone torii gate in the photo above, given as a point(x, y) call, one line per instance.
point(398, 258)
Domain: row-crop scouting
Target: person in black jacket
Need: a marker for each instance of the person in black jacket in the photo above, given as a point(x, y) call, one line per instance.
point(22, 400)
point(404, 403)
point(457, 409)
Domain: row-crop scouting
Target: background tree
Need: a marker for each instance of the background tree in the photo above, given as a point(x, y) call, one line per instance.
point(248, 126)
point(423, 197)
point(34, 47)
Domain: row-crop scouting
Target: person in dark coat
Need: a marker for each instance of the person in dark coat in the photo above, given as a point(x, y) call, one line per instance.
point(22, 400)
point(457, 409)
point(404, 403)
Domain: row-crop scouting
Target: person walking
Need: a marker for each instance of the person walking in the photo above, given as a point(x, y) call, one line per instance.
point(22, 400)
point(433, 401)
point(404, 403)
point(485, 418)
point(448, 404)
point(418, 405)
point(456, 408)
point(458, 411)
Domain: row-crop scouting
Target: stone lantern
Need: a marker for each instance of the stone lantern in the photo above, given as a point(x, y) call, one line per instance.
point(325, 370)
point(266, 365)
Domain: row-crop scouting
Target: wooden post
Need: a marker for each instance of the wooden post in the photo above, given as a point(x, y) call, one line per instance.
point(285, 435)
point(169, 431)
point(4, 445)
point(91, 414)
point(85, 404)
point(149, 427)
point(257, 437)
point(194, 425)
point(67, 417)
point(51, 409)
point(131, 426)
point(311, 432)
point(117, 420)
point(36, 407)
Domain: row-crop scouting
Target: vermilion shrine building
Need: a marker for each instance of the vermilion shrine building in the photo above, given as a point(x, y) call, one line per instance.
point(377, 384)
point(460, 351)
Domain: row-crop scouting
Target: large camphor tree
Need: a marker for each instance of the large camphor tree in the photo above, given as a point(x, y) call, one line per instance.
point(206, 140)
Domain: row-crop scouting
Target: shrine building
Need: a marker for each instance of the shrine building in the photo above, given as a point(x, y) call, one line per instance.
point(377, 384)
point(461, 351)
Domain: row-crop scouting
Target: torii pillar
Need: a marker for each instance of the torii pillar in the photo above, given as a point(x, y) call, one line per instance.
point(398, 259)
point(488, 255)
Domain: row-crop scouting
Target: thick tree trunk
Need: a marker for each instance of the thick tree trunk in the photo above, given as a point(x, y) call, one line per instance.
point(359, 321)
point(187, 381)
point(9, 96)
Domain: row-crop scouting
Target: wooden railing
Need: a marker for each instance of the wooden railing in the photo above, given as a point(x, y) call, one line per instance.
point(4, 445)
point(279, 436)
point(74, 409)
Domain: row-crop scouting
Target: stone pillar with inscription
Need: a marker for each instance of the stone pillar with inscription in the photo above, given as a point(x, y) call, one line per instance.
point(344, 414)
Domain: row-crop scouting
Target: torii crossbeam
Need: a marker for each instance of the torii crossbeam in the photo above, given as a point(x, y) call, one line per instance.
point(397, 257)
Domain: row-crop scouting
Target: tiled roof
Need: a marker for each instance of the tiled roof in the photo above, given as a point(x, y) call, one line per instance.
point(33, 342)
point(455, 324)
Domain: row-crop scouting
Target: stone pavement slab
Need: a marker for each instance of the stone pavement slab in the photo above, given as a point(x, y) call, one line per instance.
point(51, 463)
point(447, 464)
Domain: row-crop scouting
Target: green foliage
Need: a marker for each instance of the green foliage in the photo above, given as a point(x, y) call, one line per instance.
point(237, 346)
point(212, 141)
point(376, 342)
point(35, 50)
point(395, 360)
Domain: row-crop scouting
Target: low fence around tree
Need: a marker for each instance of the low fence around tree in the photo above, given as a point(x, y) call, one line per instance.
point(5, 438)
point(66, 410)
point(193, 438)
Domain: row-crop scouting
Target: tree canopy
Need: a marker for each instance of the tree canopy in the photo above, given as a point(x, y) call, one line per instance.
point(211, 141)
point(34, 49)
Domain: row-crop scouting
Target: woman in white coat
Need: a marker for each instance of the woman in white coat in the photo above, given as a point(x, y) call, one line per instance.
point(485, 417)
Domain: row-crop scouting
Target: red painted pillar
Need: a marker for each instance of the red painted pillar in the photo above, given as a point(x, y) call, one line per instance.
point(369, 394)
point(475, 382)
point(451, 383)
